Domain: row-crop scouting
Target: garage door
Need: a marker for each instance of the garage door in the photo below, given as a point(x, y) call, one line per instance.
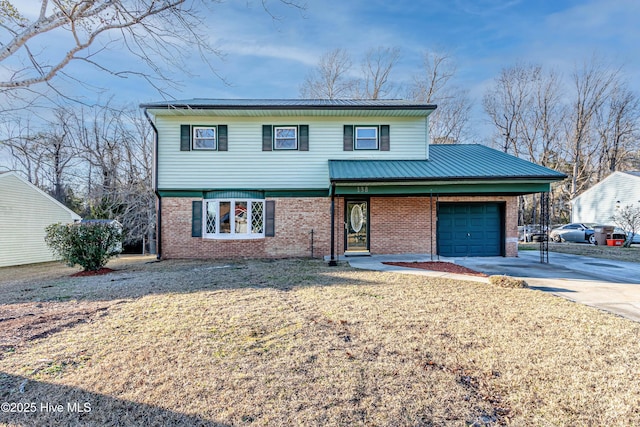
point(470, 229)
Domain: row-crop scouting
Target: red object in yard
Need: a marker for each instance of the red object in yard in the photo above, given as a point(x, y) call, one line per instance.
point(615, 242)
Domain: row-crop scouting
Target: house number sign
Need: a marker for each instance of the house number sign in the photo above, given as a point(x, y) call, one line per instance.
point(363, 189)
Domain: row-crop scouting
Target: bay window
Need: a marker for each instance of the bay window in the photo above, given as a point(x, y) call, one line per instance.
point(233, 219)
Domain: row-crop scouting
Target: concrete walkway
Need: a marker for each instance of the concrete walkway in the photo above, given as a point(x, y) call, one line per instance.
point(609, 285)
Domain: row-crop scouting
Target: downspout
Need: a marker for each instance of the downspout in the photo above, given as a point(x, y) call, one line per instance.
point(155, 186)
point(332, 261)
point(437, 219)
point(431, 219)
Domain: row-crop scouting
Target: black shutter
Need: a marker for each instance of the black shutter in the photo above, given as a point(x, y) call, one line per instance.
point(267, 141)
point(348, 138)
point(222, 138)
point(196, 218)
point(384, 138)
point(270, 218)
point(185, 137)
point(303, 138)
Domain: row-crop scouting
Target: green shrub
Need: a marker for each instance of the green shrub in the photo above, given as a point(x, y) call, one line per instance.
point(89, 245)
point(507, 282)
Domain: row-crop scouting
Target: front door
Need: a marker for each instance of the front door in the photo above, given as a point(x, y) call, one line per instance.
point(357, 226)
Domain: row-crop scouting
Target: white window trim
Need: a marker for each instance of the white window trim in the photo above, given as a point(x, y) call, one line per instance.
point(232, 235)
point(215, 138)
point(355, 133)
point(275, 137)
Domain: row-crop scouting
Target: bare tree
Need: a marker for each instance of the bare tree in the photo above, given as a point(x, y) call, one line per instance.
point(541, 123)
point(434, 84)
point(525, 106)
point(628, 218)
point(330, 79)
point(584, 130)
point(137, 191)
point(61, 155)
point(437, 71)
point(44, 155)
point(21, 151)
point(334, 77)
point(376, 69)
point(617, 124)
point(116, 148)
point(592, 84)
point(506, 103)
point(157, 33)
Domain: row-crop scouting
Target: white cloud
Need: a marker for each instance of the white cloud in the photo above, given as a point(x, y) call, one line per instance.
point(251, 48)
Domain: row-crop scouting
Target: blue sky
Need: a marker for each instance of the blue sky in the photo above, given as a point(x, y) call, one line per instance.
point(270, 59)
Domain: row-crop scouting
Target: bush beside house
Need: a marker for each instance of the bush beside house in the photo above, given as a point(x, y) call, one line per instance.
point(89, 245)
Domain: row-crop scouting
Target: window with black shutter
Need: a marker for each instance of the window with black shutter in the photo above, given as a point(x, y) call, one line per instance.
point(285, 137)
point(203, 137)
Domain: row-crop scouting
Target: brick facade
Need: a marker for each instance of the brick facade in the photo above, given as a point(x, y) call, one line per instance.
point(294, 220)
point(402, 225)
point(397, 225)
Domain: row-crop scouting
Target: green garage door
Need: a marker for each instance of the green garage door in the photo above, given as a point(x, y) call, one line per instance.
point(470, 229)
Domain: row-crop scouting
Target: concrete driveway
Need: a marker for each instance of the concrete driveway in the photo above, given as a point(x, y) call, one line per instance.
point(609, 285)
point(606, 284)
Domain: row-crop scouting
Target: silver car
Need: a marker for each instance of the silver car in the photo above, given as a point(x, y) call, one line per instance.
point(574, 232)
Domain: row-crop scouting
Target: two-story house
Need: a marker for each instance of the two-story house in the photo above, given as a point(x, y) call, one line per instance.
point(281, 178)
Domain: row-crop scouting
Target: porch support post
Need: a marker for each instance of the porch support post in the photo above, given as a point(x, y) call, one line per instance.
point(332, 261)
point(431, 225)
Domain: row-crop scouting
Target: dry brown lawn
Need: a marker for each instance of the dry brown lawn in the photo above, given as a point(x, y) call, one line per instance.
point(617, 253)
point(295, 342)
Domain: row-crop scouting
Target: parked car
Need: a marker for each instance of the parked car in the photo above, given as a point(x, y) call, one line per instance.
point(534, 233)
point(574, 232)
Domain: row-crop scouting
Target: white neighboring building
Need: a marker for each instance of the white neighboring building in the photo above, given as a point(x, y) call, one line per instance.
point(25, 212)
point(598, 203)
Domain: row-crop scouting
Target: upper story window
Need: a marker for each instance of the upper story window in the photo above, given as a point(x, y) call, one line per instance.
point(204, 138)
point(285, 138)
point(292, 137)
point(366, 138)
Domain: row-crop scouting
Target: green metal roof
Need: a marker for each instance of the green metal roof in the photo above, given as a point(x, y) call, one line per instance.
point(296, 104)
point(290, 107)
point(446, 162)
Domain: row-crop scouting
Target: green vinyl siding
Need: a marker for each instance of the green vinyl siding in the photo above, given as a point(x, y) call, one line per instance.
point(245, 165)
point(245, 194)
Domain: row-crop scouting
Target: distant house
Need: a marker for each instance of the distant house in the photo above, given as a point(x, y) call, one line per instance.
point(598, 204)
point(25, 211)
point(276, 178)
point(111, 222)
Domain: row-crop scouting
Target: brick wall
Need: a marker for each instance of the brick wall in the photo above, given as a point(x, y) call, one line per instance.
point(401, 225)
point(294, 220)
point(390, 235)
point(296, 217)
